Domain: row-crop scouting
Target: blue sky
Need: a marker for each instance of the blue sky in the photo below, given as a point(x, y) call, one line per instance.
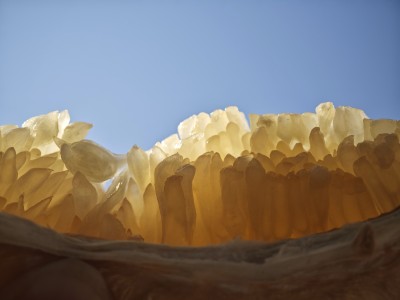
point(135, 69)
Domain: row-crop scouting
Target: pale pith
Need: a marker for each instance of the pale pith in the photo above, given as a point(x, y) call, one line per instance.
point(284, 176)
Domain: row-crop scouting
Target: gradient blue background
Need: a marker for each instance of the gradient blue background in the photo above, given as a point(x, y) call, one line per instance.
point(135, 69)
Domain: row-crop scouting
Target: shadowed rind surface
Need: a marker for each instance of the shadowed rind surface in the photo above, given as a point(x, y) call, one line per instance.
point(62, 279)
point(359, 261)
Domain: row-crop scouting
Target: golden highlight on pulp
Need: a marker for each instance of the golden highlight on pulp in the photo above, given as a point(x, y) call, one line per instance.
point(220, 178)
